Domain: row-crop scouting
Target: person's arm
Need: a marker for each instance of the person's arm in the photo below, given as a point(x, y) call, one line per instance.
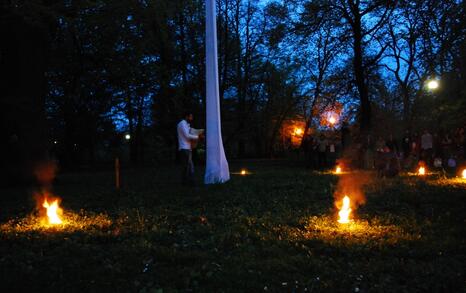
point(185, 131)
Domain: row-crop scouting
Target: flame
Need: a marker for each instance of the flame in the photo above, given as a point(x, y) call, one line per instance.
point(345, 211)
point(464, 174)
point(298, 131)
point(422, 171)
point(332, 120)
point(53, 211)
point(243, 172)
point(338, 170)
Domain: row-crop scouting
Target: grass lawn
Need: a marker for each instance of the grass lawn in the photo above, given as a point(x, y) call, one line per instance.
point(273, 230)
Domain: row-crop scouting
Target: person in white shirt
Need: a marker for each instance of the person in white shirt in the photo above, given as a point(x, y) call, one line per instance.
point(185, 140)
point(427, 146)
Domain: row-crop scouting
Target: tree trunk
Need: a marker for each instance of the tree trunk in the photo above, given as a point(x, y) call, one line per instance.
point(360, 78)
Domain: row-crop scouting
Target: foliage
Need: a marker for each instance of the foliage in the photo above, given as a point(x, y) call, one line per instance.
point(101, 68)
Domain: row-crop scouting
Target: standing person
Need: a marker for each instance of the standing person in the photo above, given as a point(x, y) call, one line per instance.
point(185, 141)
point(380, 145)
point(332, 153)
point(415, 146)
point(446, 145)
point(392, 144)
point(307, 147)
point(406, 147)
point(369, 153)
point(406, 144)
point(322, 148)
point(463, 142)
point(345, 136)
point(427, 144)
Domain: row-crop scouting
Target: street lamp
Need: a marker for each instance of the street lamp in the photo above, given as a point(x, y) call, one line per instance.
point(433, 84)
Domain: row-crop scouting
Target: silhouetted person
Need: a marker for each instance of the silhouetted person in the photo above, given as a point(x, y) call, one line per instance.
point(345, 136)
point(392, 144)
point(427, 144)
point(406, 144)
point(322, 144)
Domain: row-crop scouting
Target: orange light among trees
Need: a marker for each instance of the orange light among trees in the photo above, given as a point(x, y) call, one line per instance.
point(298, 131)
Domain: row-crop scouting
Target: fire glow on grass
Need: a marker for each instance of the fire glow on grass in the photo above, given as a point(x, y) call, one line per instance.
point(345, 211)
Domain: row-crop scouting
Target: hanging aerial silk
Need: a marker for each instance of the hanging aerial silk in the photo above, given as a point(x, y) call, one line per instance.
point(217, 170)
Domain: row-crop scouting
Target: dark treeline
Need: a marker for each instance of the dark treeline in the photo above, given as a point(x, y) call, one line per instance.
point(79, 75)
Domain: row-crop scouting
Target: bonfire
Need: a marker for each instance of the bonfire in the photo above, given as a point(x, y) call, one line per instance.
point(338, 170)
point(421, 171)
point(345, 211)
point(53, 212)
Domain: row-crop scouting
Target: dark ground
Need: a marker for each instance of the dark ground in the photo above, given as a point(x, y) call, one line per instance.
point(273, 230)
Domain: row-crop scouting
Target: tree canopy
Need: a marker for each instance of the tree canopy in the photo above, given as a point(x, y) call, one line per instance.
point(91, 71)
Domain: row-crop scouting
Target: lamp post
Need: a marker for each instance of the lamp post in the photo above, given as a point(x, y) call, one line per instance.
point(433, 84)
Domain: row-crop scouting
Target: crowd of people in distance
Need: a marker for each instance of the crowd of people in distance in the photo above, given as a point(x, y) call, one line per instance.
point(321, 151)
point(389, 155)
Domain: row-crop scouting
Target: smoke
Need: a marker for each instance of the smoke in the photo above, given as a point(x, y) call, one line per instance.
point(352, 184)
point(45, 173)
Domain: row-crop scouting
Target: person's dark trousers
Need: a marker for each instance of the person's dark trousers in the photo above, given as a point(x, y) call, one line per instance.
point(322, 158)
point(187, 175)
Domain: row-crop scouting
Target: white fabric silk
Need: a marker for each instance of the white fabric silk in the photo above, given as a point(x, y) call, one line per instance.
point(217, 170)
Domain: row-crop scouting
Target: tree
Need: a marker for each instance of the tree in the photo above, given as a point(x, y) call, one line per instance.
point(359, 23)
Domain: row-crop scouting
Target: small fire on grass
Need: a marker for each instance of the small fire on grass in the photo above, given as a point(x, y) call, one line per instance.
point(345, 211)
point(338, 170)
point(421, 171)
point(50, 213)
point(53, 212)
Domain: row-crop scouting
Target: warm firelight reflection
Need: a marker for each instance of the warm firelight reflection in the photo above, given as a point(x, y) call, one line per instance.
point(345, 211)
point(53, 212)
point(338, 170)
point(422, 171)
